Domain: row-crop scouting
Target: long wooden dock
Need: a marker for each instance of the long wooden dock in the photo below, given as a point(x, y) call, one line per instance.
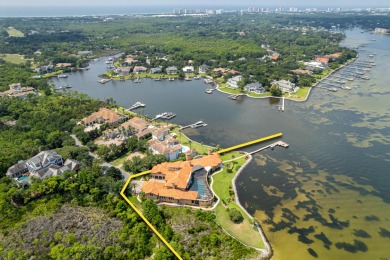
point(250, 143)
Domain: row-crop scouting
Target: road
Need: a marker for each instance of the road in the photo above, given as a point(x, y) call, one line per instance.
point(125, 174)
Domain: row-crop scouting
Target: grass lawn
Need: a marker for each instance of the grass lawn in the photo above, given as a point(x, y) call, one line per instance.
point(300, 94)
point(49, 75)
point(121, 159)
point(12, 32)
point(184, 140)
point(13, 58)
point(243, 231)
point(230, 90)
point(136, 203)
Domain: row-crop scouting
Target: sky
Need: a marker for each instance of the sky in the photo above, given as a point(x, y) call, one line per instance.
point(179, 3)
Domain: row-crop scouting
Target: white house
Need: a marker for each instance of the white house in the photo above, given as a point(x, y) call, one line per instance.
point(285, 86)
point(255, 88)
point(188, 69)
point(165, 144)
point(233, 82)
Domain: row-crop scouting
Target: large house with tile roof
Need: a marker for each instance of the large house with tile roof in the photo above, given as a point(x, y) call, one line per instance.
point(182, 182)
point(104, 115)
point(168, 145)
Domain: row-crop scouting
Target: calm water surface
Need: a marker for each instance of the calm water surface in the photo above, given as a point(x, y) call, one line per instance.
point(328, 195)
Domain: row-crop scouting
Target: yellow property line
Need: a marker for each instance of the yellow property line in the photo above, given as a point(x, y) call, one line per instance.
point(250, 143)
point(143, 217)
point(147, 172)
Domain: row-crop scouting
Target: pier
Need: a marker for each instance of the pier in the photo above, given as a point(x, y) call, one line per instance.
point(194, 125)
point(250, 143)
point(281, 107)
point(234, 96)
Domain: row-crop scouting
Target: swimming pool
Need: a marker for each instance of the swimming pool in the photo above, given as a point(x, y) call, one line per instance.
point(185, 149)
point(24, 178)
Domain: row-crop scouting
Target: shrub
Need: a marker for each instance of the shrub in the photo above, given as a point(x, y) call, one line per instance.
point(235, 215)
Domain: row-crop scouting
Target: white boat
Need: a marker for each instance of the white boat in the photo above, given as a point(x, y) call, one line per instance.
point(157, 79)
point(171, 79)
point(104, 81)
point(188, 79)
point(108, 62)
point(346, 88)
point(197, 77)
point(62, 75)
point(208, 81)
point(365, 77)
point(209, 91)
point(333, 89)
point(350, 79)
point(136, 105)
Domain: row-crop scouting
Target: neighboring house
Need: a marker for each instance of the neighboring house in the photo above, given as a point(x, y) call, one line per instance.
point(171, 70)
point(122, 71)
point(139, 69)
point(285, 86)
point(169, 147)
point(222, 70)
point(139, 126)
point(323, 60)
point(155, 70)
point(188, 69)
point(160, 133)
point(44, 69)
point(43, 165)
point(104, 115)
point(130, 59)
point(233, 82)
point(136, 123)
point(16, 90)
point(203, 68)
point(179, 182)
point(315, 65)
point(255, 88)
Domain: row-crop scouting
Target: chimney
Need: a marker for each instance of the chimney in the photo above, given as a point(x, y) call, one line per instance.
point(188, 157)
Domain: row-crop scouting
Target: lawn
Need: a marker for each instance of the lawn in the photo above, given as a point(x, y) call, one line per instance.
point(301, 94)
point(13, 58)
point(12, 32)
point(49, 75)
point(184, 140)
point(243, 231)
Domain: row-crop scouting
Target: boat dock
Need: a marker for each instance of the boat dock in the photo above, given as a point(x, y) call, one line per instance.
point(136, 105)
point(281, 107)
point(250, 143)
point(104, 81)
point(194, 125)
point(234, 96)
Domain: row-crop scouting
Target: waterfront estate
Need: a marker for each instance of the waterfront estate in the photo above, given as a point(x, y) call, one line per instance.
point(104, 115)
point(43, 165)
point(183, 182)
point(16, 90)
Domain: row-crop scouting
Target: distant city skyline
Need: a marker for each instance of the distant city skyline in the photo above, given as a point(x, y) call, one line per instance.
point(183, 3)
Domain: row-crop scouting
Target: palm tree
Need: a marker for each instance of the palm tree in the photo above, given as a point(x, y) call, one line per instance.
point(190, 142)
point(202, 146)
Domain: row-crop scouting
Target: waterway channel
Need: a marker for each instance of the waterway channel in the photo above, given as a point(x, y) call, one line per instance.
point(328, 194)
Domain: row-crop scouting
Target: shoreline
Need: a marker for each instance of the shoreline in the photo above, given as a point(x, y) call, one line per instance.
point(292, 99)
